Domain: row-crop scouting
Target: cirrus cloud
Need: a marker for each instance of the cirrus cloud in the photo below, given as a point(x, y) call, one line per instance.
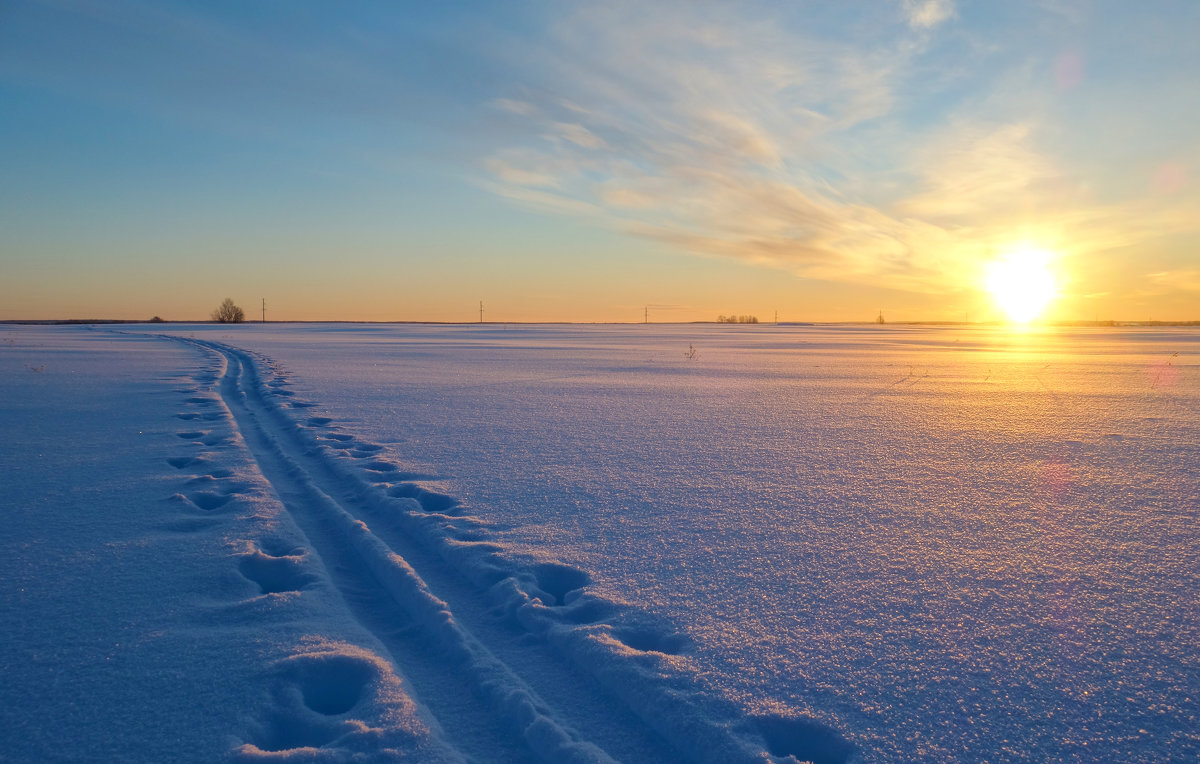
point(744, 138)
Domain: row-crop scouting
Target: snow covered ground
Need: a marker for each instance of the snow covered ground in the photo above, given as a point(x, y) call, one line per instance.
point(640, 543)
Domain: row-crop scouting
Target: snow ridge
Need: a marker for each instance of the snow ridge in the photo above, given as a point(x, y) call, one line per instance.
point(564, 674)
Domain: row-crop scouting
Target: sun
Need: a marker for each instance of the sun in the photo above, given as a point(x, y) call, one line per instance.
point(1022, 284)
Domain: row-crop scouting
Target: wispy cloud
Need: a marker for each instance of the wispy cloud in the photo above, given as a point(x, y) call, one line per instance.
point(925, 14)
point(1187, 279)
point(577, 134)
point(755, 140)
point(708, 137)
point(520, 176)
point(969, 169)
point(522, 108)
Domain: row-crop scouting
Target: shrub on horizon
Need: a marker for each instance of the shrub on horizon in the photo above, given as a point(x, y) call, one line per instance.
point(737, 319)
point(228, 313)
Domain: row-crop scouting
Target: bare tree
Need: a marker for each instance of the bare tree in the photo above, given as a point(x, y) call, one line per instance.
point(228, 313)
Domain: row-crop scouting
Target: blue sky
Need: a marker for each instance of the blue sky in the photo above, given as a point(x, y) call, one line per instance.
point(579, 161)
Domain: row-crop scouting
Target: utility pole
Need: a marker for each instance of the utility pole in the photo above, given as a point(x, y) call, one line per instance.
point(481, 311)
point(264, 310)
point(646, 316)
point(777, 318)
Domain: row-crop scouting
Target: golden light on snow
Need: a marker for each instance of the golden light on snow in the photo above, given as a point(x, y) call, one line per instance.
point(1021, 284)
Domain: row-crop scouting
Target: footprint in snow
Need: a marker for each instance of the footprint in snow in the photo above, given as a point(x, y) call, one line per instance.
point(378, 466)
point(557, 590)
point(333, 685)
point(804, 738)
point(428, 501)
point(276, 574)
point(208, 501)
point(313, 697)
point(218, 480)
point(198, 463)
point(555, 583)
point(648, 639)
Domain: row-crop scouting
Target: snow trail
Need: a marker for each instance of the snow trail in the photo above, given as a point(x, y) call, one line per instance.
point(506, 655)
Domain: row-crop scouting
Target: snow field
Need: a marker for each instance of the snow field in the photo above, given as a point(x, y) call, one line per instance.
point(945, 544)
point(173, 612)
point(342, 493)
point(581, 544)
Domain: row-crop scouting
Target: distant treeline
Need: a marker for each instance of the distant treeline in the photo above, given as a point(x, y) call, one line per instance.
point(737, 319)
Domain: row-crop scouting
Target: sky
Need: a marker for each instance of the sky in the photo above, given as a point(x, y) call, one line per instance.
point(597, 161)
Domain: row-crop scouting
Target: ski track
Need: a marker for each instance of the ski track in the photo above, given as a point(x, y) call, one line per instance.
point(514, 658)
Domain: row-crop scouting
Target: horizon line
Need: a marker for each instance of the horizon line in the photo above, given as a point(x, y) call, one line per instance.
point(1062, 323)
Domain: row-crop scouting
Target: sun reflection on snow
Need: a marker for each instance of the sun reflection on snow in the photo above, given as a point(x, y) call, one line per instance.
point(1164, 372)
point(1059, 543)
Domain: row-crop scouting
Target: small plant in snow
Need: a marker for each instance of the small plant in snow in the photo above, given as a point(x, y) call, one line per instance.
point(691, 353)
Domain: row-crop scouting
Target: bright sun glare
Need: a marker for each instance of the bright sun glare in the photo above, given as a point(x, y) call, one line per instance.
point(1022, 284)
